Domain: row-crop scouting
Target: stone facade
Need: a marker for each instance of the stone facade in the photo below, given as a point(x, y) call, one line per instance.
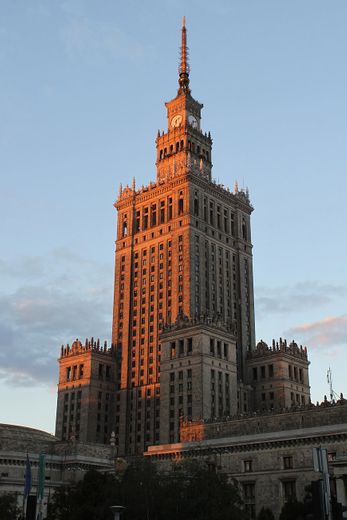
point(278, 375)
point(183, 247)
point(86, 392)
point(269, 455)
point(65, 462)
point(198, 374)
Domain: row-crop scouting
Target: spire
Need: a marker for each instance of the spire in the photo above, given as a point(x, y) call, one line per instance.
point(184, 69)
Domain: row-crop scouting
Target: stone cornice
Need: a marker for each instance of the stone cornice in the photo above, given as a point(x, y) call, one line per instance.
point(247, 443)
point(238, 200)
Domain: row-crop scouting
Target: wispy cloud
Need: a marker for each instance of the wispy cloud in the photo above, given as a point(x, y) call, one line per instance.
point(53, 303)
point(85, 36)
point(291, 299)
point(328, 332)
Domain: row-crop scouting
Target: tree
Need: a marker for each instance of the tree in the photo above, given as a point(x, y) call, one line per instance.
point(265, 514)
point(188, 491)
point(90, 498)
point(293, 510)
point(8, 506)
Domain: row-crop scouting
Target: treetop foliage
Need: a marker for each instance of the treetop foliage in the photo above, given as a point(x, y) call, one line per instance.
point(188, 491)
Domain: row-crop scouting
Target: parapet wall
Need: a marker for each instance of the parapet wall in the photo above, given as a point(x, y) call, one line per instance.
point(303, 417)
point(281, 346)
point(90, 345)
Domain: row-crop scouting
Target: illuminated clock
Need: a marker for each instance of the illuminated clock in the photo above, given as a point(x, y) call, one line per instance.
point(192, 121)
point(176, 121)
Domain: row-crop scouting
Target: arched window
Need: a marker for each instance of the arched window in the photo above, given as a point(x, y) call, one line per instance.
point(124, 226)
point(180, 204)
point(161, 154)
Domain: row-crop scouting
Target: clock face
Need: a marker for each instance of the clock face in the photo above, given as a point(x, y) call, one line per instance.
point(176, 121)
point(193, 121)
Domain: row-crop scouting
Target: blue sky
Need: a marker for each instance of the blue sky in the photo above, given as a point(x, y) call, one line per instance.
point(82, 93)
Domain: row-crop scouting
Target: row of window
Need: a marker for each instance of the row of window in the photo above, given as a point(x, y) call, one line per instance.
point(179, 146)
point(219, 349)
point(74, 372)
point(182, 347)
point(295, 374)
point(154, 214)
point(248, 490)
point(220, 394)
point(263, 372)
point(287, 463)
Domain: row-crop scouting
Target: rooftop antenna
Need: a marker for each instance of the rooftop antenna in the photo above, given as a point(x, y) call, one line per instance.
point(332, 393)
point(330, 383)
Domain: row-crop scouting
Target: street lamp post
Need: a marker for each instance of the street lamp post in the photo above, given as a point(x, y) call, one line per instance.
point(117, 510)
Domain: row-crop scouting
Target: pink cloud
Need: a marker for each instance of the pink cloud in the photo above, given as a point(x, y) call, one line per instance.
point(330, 331)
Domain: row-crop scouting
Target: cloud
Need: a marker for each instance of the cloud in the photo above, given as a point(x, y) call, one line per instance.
point(328, 332)
point(28, 267)
point(301, 296)
point(59, 298)
point(92, 39)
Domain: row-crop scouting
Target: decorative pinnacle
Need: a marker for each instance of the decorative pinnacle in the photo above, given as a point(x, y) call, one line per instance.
point(184, 68)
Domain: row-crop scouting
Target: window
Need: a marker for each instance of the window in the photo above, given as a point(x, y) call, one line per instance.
point(226, 348)
point(181, 347)
point(249, 498)
point(271, 370)
point(247, 466)
point(288, 462)
point(289, 490)
point(173, 349)
point(169, 209)
point(180, 206)
point(331, 455)
point(212, 347)
point(196, 205)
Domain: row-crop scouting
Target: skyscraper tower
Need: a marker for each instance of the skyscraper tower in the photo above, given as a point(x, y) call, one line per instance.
point(183, 252)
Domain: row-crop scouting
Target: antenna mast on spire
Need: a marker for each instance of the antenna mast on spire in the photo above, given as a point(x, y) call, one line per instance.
point(184, 68)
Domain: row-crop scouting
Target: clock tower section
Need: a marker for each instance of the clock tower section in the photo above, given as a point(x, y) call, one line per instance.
point(184, 145)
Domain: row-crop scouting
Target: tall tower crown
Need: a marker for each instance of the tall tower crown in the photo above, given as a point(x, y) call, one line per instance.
point(184, 147)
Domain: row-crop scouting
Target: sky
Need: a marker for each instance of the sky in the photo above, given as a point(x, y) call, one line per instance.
point(82, 92)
